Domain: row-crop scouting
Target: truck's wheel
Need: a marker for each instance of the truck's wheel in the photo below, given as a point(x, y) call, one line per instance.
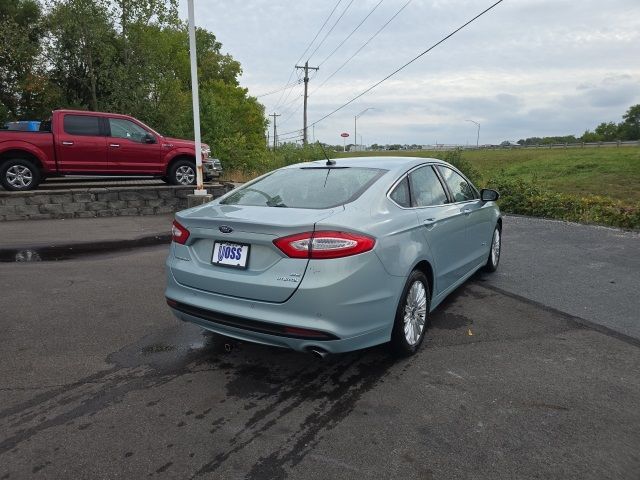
point(19, 174)
point(183, 172)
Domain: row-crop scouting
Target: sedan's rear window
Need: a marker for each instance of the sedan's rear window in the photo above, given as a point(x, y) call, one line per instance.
point(306, 187)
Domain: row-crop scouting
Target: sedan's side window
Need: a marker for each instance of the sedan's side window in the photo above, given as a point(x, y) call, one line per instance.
point(400, 194)
point(426, 189)
point(461, 189)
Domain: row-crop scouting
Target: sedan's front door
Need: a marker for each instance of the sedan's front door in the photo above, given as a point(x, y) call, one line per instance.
point(132, 149)
point(478, 217)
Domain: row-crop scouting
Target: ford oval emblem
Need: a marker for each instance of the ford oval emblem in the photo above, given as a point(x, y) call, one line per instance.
point(225, 229)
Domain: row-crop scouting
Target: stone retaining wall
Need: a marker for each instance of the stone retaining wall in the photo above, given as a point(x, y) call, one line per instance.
point(97, 202)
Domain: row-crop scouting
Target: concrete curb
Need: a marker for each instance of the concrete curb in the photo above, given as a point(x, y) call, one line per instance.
point(45, 252)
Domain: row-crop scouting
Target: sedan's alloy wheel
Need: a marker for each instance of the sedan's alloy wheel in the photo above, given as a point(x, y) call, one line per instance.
point(415, 312)
point(495, 248)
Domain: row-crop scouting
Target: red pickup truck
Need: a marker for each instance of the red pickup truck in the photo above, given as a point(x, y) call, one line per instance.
point(94, 143)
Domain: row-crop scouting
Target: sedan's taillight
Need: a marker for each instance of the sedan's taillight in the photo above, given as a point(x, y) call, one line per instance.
point(324, 244)
point(179, 234)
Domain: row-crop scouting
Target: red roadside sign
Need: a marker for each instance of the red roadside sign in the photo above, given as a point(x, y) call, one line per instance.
point(344, 135)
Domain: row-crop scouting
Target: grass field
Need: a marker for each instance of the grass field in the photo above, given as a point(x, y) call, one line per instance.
point(608, 171)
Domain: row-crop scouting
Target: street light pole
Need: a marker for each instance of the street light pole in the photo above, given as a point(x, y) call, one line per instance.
point(478, 137)
point(195, 100)
point(355, 126)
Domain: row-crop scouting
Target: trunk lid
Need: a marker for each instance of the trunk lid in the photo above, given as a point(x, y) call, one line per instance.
point(269, 275)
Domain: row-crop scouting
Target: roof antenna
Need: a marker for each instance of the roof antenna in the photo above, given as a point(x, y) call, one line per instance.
point(330, 163)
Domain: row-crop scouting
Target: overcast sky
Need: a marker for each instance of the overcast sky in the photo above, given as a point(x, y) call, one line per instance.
point(526, 68)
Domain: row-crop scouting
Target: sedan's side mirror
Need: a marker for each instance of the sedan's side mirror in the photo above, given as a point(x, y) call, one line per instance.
point(488, 195)
point(148, 138)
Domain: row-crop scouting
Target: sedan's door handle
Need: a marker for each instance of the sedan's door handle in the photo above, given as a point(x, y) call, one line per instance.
point(114, 145)
point(466, 211)
point(67, 143)
point(429, 223)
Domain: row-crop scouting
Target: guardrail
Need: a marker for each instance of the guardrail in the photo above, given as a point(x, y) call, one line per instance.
point(632, 143)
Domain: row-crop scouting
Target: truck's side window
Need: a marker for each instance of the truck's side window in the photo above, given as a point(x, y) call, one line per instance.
point(121, 128)
point(85, 125)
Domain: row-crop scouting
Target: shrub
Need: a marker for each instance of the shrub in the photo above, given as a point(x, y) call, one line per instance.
point(455, 158)
point(530, 198)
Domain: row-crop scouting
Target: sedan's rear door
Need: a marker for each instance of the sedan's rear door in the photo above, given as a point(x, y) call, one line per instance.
point(444, 226)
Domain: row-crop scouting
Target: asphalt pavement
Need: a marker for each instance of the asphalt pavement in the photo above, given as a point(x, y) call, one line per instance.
point(99, 381)
point(587, 271)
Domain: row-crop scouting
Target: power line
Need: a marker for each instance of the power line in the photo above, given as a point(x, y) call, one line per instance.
point(286, 107)
point(352, 32)
point(292, 113)
point(291, 89)
point(325, 22)
point(408, 63)
point(292, 84)
point(309, 46)
point(330, 30)
point(364, 45)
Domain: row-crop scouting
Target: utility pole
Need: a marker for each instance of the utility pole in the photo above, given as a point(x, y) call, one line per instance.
point(274, 115)
point(306, 69)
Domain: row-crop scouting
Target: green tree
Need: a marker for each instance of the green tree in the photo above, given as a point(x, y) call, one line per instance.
point(630, 126)
point(126, 56)
point(233, 124)
point(589, 137)
point(83, 52)
point(24, 88)
point(607, 131)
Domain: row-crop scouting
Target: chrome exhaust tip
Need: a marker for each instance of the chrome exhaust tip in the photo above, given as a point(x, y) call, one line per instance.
point(318, 352)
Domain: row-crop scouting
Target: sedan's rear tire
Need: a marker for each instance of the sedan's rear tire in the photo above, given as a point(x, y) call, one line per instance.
point(183, 172)
point(19, 174)
point(494, 252)
point(412, 315)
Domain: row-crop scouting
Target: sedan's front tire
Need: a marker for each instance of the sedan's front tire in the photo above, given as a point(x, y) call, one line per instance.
point(494, 253)
point(412, 316)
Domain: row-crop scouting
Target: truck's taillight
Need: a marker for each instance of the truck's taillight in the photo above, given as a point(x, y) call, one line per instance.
point(324, 244)
point(179, 234)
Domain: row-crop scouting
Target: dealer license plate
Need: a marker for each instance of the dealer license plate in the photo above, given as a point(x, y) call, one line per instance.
point(230, 254)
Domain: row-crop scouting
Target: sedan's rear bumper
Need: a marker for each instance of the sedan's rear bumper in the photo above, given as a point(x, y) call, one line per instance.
point(350, 301)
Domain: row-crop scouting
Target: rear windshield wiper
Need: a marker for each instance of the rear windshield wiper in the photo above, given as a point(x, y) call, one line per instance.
point(275, 202)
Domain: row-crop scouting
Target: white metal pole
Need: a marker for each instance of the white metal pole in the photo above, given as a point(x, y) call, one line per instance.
point(196, 101)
